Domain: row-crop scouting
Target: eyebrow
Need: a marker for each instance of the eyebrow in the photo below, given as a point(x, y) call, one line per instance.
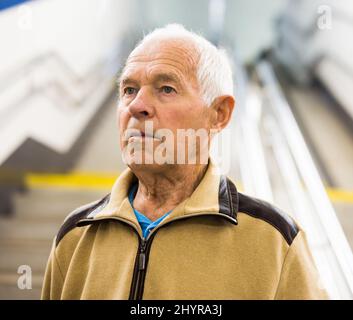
point(166, 77)
point(160, 77)
point(126, 81)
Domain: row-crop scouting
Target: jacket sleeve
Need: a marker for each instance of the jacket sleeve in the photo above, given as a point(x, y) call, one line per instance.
point(299, 277)
point(53, 278)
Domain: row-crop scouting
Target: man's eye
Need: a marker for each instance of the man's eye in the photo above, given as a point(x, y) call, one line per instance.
point(167, 89)
point(129, 90)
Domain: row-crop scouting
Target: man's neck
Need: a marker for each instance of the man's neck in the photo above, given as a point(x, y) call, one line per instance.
point(159, 193)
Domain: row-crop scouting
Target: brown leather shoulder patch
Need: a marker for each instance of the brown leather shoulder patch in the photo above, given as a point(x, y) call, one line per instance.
point(265, 211)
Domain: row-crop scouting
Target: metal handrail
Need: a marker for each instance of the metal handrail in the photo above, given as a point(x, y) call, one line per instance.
point(325, 213)
point(34, 64)
point(245, 122)
point(13, 75)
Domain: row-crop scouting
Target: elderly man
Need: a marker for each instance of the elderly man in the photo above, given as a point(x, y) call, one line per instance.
point(172, 226)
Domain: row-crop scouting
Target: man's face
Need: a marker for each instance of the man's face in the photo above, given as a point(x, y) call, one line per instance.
point(158, 87)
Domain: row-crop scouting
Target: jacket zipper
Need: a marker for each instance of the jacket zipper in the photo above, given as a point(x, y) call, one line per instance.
point(138, 278)
point(141, 262)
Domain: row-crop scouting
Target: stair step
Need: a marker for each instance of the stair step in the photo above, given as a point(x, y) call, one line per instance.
point(9, 289)
point(53, 203)
point(13, 256)
point(11, 229)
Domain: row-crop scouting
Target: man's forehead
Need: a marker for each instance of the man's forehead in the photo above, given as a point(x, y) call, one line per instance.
point(150, 67)
point(168, 55)
point(179, 49)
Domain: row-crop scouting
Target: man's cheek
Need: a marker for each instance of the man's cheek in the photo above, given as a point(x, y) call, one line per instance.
point(122, 123)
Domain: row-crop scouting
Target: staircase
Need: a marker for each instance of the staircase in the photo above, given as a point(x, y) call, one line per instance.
point(26, 237)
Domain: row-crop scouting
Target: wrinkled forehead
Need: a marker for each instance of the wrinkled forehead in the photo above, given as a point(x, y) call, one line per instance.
point(177, 54)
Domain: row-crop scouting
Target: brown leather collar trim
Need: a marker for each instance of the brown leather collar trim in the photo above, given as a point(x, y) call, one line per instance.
point(228, 197)
point(86, 211)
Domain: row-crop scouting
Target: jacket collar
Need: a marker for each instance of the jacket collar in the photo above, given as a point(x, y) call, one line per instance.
point(215, 195)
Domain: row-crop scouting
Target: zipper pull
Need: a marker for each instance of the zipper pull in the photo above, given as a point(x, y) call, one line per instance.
point(142, 256)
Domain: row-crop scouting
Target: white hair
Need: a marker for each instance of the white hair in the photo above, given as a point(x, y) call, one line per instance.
point(214, 71)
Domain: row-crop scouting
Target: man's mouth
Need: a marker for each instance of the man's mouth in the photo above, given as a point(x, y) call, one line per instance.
point(140, 134)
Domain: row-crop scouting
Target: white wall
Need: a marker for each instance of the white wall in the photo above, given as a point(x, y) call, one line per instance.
point(84, 34)
point(79, 30)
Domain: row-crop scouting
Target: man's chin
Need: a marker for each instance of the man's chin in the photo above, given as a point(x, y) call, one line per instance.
point(136, 161)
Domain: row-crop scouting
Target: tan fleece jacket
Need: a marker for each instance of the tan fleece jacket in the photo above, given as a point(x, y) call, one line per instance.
point(217, 244)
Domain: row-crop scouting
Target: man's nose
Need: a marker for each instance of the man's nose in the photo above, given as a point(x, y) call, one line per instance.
point(142, 106)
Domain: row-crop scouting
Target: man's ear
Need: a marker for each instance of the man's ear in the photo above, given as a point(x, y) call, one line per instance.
point(222, 108)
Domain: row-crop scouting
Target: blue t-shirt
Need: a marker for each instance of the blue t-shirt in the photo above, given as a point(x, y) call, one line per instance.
point(146, 224)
